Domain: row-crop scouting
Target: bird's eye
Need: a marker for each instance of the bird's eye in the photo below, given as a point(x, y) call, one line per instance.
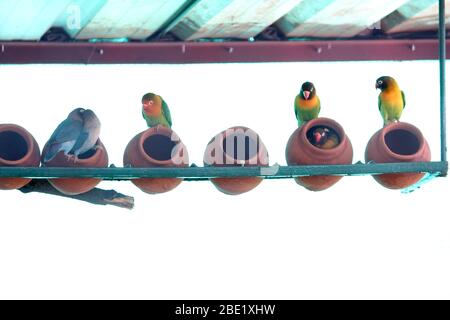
point(380, 82)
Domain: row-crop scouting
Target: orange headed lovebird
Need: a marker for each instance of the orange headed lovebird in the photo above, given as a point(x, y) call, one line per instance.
point(155, 111)
point(391, 100)
point(306, 104)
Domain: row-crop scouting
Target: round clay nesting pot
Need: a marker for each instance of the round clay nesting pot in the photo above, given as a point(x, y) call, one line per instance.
point(18, 148)
point(299, 151)
point(94, 158)
point(156, 147)
point(236, 146)
point(398, 142)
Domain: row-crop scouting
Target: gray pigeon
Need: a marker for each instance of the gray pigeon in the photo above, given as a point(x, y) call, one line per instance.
point(75, 135)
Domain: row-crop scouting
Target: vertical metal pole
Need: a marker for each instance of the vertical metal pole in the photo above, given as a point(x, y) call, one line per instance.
point(442, 57)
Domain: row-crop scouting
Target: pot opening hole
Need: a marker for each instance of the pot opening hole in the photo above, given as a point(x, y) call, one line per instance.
point(240, 146)
point(87, 154)
point(13, 146)
point(159, 147)
point(323, 137)
point(402, 142)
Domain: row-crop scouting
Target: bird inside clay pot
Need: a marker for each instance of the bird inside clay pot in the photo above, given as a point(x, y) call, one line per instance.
point(323, 137)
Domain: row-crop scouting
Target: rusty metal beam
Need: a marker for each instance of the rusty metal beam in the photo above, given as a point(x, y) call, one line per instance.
point(218, 52)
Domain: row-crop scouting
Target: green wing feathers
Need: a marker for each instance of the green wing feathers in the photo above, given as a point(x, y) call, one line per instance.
point(166, 113)
point(318, 107)
point(404, 100)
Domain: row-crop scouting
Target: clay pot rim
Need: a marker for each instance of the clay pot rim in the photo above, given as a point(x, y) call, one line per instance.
point(79, 161)
point(323, 122)
point(253, 161)
point(406, 127)
point(26, 136)
point(161, 130)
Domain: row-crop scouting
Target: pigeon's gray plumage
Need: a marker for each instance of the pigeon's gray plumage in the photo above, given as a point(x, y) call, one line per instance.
point(89, 135)
point(75, 135)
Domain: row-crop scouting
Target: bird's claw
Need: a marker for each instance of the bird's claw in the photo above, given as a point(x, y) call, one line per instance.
point(72, 158)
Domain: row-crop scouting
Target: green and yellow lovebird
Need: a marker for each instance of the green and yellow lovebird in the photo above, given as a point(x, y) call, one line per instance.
point(306, 104)
point(391, 100)
point(155, 111)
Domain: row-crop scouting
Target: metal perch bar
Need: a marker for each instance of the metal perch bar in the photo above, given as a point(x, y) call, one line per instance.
point(194, 173)
point(442, 57)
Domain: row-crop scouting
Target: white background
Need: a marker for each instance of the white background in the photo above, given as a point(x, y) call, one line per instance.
point(279, 241)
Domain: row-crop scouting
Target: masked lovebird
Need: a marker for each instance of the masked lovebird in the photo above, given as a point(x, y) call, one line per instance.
point(155, 111)
point(324, 138)
point(75, 135)
point(306, 104)
point(391, 100)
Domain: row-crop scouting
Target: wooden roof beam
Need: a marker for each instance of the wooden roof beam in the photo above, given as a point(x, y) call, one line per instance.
point(335, 18)
point(240, 19)
point(416, 15)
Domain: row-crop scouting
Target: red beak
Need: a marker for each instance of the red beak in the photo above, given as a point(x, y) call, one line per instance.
point(147, 105)
point(306, 94)
point(317, 137)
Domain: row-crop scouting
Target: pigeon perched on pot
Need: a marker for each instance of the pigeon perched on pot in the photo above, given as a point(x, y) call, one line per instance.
point(75, 135)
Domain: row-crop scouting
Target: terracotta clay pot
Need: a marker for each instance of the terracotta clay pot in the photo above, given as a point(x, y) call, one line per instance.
point(299, 151)
point(97, 158)
point(398, 142)
point(236, 146)
point(18, 148)
point(156, 147)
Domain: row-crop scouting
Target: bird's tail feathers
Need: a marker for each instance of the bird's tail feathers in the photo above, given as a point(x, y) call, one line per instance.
point(52, 151)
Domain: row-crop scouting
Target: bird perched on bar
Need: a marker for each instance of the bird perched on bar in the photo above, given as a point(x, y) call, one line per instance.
point(306, 104)
point(75, 135)
point(391, 100)
point(156, 111)
point(323, 137)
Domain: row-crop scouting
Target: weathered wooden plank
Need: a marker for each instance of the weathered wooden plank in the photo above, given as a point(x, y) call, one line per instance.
point(28, 19)
point(416, 15)
point(335, 18)
point(230, 18)
point(136, 19)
